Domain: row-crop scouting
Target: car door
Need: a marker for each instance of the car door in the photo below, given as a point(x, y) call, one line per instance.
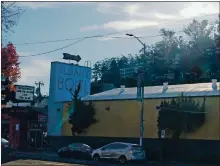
point(74, 149)
point(117, 150)
point(105, 151)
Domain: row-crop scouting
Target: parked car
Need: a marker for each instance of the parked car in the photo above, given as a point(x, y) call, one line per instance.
point(4, 143)
point(76, 150)
point(6, 150)
point(120, 151)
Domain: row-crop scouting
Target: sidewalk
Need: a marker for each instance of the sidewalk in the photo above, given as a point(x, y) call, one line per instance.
point(36, 153)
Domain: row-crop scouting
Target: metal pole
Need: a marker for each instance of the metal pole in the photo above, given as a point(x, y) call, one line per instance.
point(142, 109)
point(141, 86)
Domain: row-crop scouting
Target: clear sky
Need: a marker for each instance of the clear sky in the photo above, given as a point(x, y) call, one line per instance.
point(45, 21)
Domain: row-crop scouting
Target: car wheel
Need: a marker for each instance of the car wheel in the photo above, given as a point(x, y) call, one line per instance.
point(122, 160)
point(96, 157)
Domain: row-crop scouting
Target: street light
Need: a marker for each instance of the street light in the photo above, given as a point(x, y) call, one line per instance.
point(141, 85)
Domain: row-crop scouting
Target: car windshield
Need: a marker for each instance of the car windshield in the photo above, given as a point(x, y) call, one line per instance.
point(86, 146)
point(4, 140)
point(74, 145)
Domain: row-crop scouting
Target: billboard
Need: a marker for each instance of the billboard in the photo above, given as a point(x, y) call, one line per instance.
point(24, 93)
point(64, 77)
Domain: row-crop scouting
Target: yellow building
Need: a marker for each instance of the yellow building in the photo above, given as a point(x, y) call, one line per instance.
point(118, 111)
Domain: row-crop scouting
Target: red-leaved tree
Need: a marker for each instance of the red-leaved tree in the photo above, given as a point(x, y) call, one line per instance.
point(9, 63)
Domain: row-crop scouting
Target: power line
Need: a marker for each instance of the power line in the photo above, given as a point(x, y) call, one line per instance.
point(53, 50)
point(84, 39)
point(183, 110)
point(105, 35)
point(60, 47)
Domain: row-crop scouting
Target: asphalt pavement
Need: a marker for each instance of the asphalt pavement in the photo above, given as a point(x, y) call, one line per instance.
point(24, 158)
point(42, 162)
point(39, 162)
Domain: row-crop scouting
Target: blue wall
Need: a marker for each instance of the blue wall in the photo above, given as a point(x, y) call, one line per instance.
point(64, 76)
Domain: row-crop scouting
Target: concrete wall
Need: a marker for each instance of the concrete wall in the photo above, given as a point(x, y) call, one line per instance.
point(64, 76)
point(122, 120)
point(54, 126)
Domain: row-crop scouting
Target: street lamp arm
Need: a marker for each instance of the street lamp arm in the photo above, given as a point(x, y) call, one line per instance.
point(139, 40)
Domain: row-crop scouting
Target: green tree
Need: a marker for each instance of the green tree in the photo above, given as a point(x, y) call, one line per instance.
point(190, 58)
point(182, 114)
point(83, 115)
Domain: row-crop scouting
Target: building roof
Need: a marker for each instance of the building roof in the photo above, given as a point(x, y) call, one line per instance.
point(199, 89)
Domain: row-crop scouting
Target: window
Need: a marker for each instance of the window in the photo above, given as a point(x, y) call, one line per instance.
point(74, 146)
point(115, 146)
point(120, 146)
point(107, 147)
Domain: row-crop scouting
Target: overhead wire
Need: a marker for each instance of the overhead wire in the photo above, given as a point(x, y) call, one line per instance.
point(112, 33)
point(98, 36)
point(52, 50)
point(84, 39)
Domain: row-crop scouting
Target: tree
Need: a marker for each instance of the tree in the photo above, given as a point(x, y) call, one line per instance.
point(83, 115)
point(182, 114)
point(9, 63)
point(10, 16)
point(172, 55)
point(201, 38)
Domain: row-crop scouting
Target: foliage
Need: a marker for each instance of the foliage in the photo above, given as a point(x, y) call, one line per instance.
point(9, 63)
point(83, 115)
point(10, 69)
point(191, 58)
point(10, 16)
point(182, 114)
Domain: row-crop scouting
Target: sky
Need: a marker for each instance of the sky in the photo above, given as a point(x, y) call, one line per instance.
point(43, 21)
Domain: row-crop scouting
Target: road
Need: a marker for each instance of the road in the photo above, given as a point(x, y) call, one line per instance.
point(50, 163)
point(39, 162)
point(45, 158)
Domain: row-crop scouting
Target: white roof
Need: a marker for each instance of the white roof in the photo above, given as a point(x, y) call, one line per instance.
point(200, 89)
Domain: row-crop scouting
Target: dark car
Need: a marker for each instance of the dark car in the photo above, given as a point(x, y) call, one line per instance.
point(6, 150)
point(76, 150)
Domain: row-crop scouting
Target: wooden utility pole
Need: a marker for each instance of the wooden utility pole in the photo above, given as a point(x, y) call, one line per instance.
point(39, 84)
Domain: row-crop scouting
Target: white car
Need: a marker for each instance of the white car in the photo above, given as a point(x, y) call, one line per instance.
point(119, 151)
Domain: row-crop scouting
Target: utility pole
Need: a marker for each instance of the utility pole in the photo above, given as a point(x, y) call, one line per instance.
point(39, 84)
point(140, 92)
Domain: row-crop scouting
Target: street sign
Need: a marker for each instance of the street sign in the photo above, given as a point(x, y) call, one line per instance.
point(67, 56)
point(139, 95)
point(162, 133)
point(140, 85)
point(24, 93)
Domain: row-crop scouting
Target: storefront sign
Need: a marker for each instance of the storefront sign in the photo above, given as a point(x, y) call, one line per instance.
point(24, 93)
point(66, 77)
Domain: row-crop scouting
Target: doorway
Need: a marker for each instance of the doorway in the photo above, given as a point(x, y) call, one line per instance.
point(36, 138)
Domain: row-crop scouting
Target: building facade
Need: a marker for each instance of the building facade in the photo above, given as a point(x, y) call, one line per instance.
point(64, 78)
point(118, 111)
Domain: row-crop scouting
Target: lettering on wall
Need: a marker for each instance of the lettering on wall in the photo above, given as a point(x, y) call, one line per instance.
point(68, 77)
